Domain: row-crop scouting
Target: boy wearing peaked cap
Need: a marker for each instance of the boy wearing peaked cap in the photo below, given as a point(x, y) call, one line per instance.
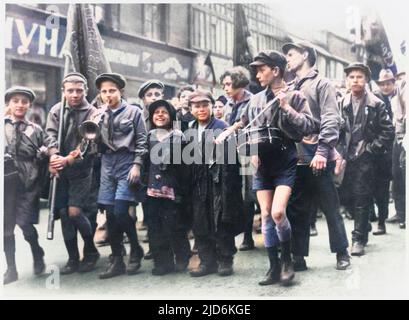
point(367, 134)
point(123, 146)
point(74, 175)
point(317, 159)
point(24, 155)
point(166, 178)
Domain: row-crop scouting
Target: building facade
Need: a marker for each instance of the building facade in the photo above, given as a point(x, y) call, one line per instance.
point(144, 41)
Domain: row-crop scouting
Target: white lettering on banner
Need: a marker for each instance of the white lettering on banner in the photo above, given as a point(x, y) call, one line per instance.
point(9, 32)
point(25, 40)
point(52, 42)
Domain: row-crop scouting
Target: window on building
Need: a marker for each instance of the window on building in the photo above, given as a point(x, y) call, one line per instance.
point(154, 19)
point(213, 27)
point(130, 18)
point(147, 20)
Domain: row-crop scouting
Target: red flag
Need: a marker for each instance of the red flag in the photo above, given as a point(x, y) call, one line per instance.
point(84, 46)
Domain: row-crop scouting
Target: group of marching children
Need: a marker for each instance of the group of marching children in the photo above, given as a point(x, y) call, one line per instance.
point(144, 154)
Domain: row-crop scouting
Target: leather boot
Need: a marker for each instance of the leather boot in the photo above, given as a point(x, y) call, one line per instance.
point(225, 267)
point(39, 264)
point(361, 230)
point(273, 274)
point(247, 244)
point(9, 250)
point(134, 263)
point(287, 268)
point(116, 268)
point(88, 263)
point(343, 260)
point(381, 230)
point(204, 270)
point(10, 275)
point(299, 263)
point(38, 255)
point(358, 249)
point(70, 267)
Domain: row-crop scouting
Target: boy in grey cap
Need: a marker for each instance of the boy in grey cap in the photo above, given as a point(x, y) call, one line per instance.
point(123, 145)
point(25, 152)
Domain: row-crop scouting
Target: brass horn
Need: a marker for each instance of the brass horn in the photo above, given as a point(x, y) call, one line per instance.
point(89, 129)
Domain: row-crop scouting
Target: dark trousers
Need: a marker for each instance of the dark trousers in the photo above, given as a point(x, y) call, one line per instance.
point(216, 247)
point(167, 235)
point(119, 221)
point(360, 175)
point(383, 175)
point(307, 188)
point(398, 184)
point(13, 189)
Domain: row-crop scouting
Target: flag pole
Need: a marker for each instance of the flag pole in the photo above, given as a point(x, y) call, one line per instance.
point(54, 182)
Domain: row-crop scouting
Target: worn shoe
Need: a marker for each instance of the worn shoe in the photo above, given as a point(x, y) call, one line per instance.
point(134, 264)
point(380, 231)
point(162, 270)
point(70, 267)
point(299, 264)
point(358, 249)
point(394, 219)
point(116, 268)
point(343, 261)
point(287, 268)
point(148, 255)
point(88, 263)
point(10, 276)
point(225, 268)
point(247, 245)
point(181, 266)
point(287, 273)
point(402, 225)
point(203, 270)
point(313, 231)
point(272, 275)
point(39, 265)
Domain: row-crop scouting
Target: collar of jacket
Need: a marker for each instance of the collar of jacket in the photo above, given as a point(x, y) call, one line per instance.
point(246, 98)
point(195, 123)
point(9, 119)
point(310, 75)
point(119, 110)
point(369, 100)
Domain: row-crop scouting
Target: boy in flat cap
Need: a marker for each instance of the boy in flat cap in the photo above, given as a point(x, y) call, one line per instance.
point(218, 214)
point(183, 115)
point(25, 153)
point(74, 175)
point(150, 91)
point(316, 159)
point(166, 179)
point(275, 173)
point(383, 163)
point(123, 145)
point(366, 134)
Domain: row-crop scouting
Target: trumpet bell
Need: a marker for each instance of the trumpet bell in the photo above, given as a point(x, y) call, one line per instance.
point(89, 130)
